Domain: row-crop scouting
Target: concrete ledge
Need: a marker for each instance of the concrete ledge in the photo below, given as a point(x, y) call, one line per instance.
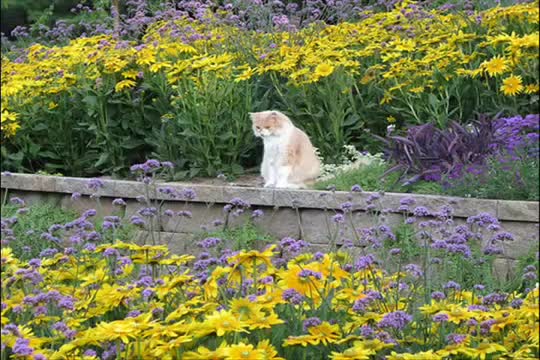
point(522, 211)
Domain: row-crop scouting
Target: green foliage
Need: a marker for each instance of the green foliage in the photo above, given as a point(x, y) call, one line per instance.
point(330, 111)
point(31, 225)
point(370, 178)
point(512, 180)
point(206, 125)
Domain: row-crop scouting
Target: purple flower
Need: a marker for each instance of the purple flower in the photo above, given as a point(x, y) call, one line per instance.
point(452, 285)
point(133, 314)
point(456, 338)
point(440, 318)
point(347, 206)
point(90, 353)
point(257, 214)
point(189, 194)
point(338, 218)
point(17, 201)
point(395, 251)
point(168, 213)
point(516, 303)
point(531, 275)
point(420, 211)
point(396, 320)
point(119, 202)
point(293, 296)
point(479, 287)
point(305, 273)
point(22, 347)
point(492, 250)
point(494, 298)
point(364, 262)
point(312, 321)
point(147, 293)
point(111, 252)
point(35, 263)
point(89, 213)
point(356, 188)
point(437, 295)
point(137, 221)
point(95, 184)
point(503, 236)
point(76, 196)
point(184, 213)
point(414, 270)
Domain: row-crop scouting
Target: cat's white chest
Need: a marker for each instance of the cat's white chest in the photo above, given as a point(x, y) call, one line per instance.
point(274, 147)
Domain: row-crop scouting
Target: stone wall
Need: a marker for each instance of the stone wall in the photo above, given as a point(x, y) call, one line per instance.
point(297, 213)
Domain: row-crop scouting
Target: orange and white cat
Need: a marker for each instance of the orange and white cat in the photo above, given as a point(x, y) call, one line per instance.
point(289, 159)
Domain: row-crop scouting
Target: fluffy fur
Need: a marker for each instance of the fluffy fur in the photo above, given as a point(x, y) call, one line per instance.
point(289, 159)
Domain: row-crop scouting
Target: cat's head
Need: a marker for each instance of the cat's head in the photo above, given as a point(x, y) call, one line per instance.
point(269, 123)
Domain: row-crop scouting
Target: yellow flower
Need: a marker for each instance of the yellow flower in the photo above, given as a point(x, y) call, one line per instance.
point(268, 351)
point(532, 89)
point(483, 349)
point(354, 353)
point(417, 90)
point(224, 321)
point(391, 119)
point(52, 105)
point(325, 332)
point(243, 351)
point(203, 353)
point(124, 84)
point(323, 70)
point(512, 85)
point(495, 66)
point(245, 309)
point(421, 355)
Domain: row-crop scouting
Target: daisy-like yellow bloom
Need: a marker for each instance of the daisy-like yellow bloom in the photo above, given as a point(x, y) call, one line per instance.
point(245, 309)
point(223, 322)
point(124, 84)
point(268, 351)
point(243, 351)
point(512, 85)
point(354, 353)
point(484, 349)
point(325, 333)
point(531, 89)
point(253, 257)
point(323, 70)
point(422, 355)
point(495, 66)
point(203, 353)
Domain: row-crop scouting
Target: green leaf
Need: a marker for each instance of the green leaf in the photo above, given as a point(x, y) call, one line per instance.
point(102, 159)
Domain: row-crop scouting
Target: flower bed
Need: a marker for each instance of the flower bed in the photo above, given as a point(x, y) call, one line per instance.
point(423, 289)
point(173, 95)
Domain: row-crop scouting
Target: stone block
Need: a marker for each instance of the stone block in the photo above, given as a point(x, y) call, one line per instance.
point(254, 196)
point(202, 215)
point(280, 222)
point(518, 210)
point(526, 239)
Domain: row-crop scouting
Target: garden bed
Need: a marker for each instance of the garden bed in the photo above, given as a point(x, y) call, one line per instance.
point(296, 213)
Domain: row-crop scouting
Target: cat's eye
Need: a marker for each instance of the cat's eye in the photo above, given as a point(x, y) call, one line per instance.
point(258, 127)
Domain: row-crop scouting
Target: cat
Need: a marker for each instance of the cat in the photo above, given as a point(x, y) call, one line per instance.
point(289, 159)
